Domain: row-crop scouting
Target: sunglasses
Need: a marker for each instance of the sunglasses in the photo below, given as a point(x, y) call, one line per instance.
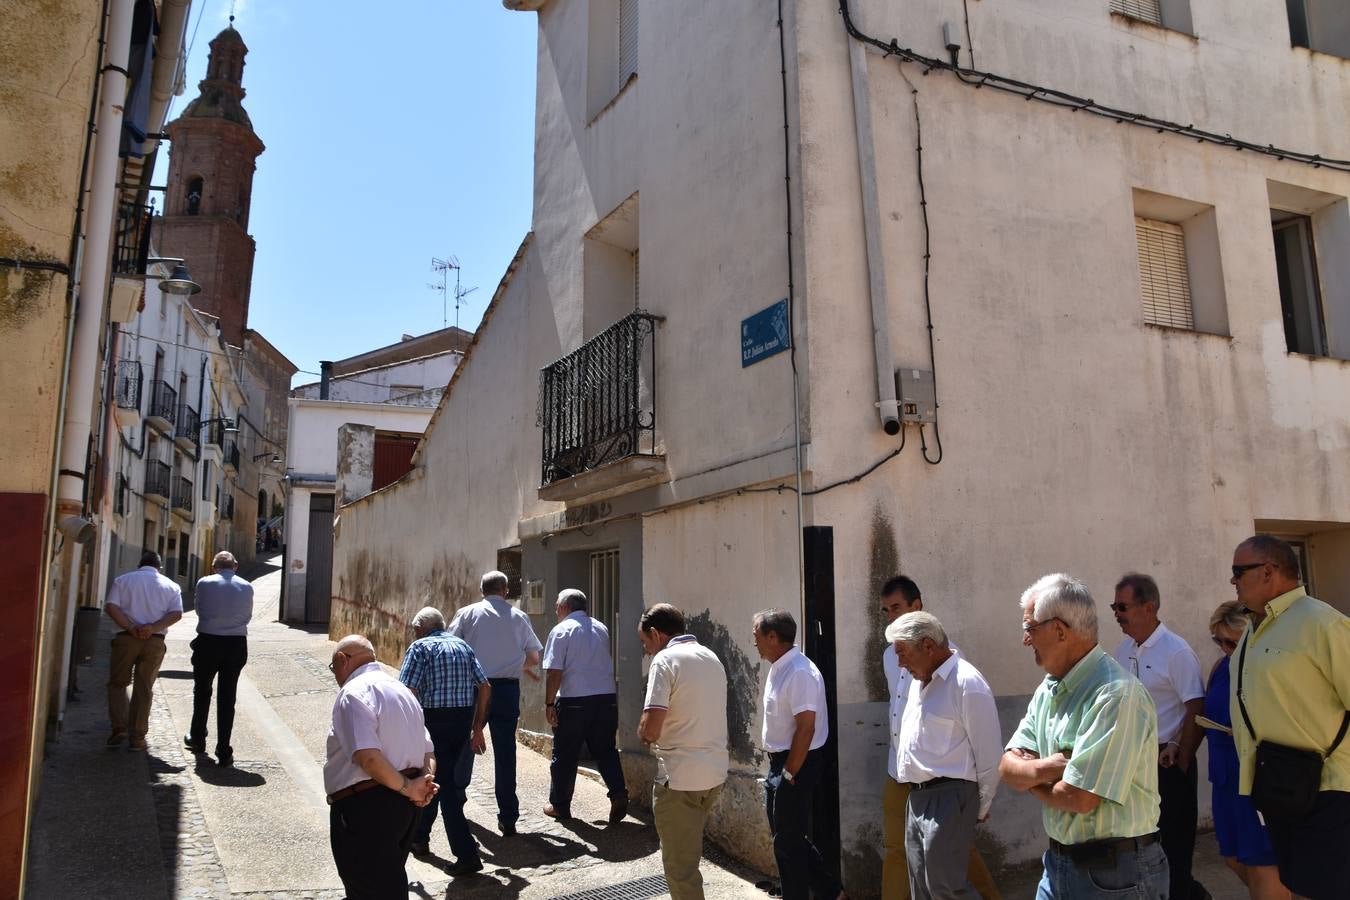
point(1238, 571)
point(1118, 607)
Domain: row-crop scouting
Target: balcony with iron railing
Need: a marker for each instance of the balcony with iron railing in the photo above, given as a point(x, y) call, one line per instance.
point(158, 478)
point(189, 424)
point(127, 389)
point(597, 412)
point(230, 456)
point(227, 507)
point(182, 498)
point(121, 495)
point(132, 247)
point(163, 412)
point(213, 435)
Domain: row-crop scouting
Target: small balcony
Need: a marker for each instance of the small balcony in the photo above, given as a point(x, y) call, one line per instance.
point(158, 477)
point(230, 455)
point(163, 412)
point(597, 412)
point(121, 495)
point(182, 498)
point(132, 249)
point(227, 507)
point(189, 424)
point(213, 441)
point(130, 380)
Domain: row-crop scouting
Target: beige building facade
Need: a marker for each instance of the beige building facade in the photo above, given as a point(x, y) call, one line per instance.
point(1138, 342)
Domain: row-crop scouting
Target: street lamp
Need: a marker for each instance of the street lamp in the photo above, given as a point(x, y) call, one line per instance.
point(275, 460)
point(179, 281)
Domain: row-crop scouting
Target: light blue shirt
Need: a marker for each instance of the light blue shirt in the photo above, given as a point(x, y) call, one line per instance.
point(499, 633)
point(224, 604)
point(579, 647)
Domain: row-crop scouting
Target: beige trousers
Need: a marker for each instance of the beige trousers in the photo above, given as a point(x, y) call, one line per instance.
point(133, 658)
point(894, 865)
point(680, 816)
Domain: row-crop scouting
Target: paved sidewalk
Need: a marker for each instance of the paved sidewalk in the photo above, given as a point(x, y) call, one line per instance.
point(166, 824)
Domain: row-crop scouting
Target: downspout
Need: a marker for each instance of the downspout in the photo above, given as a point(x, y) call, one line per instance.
point(166, 78)
point(106, 512)
point(887, 408)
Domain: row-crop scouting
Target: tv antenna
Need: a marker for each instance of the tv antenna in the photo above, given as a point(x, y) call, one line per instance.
point(444, 267)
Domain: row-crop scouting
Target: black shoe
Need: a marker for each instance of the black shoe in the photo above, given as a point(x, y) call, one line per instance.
point(225, 759)
point(194, 746)
point(464, 867)
point(421, 849)
point(618, 810)
point(507, 829)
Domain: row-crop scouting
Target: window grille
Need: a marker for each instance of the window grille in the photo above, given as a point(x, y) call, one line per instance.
point(604, 593)
point(1145, 10)
point(628, 40)
point(1163, 278)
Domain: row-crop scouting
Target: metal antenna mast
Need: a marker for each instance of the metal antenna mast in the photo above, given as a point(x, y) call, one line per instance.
point(444, 266)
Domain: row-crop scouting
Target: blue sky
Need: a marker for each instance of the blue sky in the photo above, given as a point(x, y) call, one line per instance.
point(395, 132)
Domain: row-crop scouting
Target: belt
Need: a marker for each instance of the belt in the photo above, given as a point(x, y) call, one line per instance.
point(1090, 852)
point(120, 633)
point(360, 786)
point(936, 782)
point(508, 680)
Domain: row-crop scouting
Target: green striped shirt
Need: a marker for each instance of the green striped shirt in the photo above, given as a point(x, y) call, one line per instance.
point(1103, 719)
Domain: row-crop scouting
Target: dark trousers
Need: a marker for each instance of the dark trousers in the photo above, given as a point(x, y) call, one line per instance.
point(1176, 825)
point(1312, 852)
point(216, 657)
point(801, 869)
point(371, 833)
point(450, 730)
point(503, 714)
point(592, 721)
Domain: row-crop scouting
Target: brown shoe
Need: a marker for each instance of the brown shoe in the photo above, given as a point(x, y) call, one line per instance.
point(116, 738)
point(618, 810)
point(137, 743)
point(556, 813)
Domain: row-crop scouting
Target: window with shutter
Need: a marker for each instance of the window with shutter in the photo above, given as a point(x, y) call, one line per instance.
point(1147, 10)
point(628, 40)
point(1164, 282)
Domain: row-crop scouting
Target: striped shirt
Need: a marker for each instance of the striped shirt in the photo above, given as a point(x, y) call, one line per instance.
point(1102, 718)
point(443, 671)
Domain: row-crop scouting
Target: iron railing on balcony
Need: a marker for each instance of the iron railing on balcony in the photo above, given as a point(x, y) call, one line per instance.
point(157, 478)
point(227, 507)
point(189, 423)
point(231, 454)
point(214, 434)
point(122, 492)
point(163, 402)
point(133, 239)
point(182, 497)
point(594, 407)
point(130, 379)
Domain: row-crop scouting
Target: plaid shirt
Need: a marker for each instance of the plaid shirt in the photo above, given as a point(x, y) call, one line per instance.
point(443, 670)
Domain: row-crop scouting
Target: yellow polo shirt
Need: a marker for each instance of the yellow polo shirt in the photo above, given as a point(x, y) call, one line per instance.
point(1296, 684)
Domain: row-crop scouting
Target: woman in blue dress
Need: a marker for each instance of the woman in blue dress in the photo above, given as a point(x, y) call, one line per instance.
point(1243, 840)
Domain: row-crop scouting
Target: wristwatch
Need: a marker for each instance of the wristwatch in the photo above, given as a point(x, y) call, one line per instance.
point(789, 777)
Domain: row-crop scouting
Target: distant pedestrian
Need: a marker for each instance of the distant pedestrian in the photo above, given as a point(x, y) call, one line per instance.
point(1244, 842)
point(900, 595)
point(219, 651)
point(503, 638)
point(684, 719)
point(1170, 670)
point(795, 727)
point(143, 603)
point(581, 706)
point(1087, 750)
point(950, 746)
point(1291, 693)
point(443, 673)
point(379, 772)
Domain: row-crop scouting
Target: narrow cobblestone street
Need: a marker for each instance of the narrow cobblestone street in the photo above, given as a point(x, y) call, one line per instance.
point(166, 824)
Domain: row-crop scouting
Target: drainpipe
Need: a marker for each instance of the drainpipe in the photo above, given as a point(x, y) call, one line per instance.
point(166, 78)
point(325, 376)
point(887, 407)
point(82, 364)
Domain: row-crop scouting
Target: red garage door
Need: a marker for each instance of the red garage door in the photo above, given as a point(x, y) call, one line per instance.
point(393, 458)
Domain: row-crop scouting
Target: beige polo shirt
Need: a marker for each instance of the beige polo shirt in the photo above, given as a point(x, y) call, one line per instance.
point(687, 681)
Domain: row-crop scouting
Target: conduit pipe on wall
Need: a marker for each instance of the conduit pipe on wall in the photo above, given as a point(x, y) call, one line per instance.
point(167, 76)
point(887, 407)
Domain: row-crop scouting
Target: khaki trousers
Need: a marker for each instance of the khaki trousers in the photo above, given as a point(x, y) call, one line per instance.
point(141, 657)
point(895, 867)
point(680, 816)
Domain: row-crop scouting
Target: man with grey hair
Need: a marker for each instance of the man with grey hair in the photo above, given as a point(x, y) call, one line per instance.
point(443, 673)
point(949, 750)
point(219, 652)
point(1087, 750)
point(143, 603)
point(581, 706)
point(503, 638)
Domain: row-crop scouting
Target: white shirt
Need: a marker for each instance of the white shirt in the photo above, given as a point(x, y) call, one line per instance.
point(688, 681)
point(499, 633)
point(951, 730)
point(898, 680)
point(579, 646)
point(795, 686)
point(1170, 670)
point(373, 711)
point(145, 595)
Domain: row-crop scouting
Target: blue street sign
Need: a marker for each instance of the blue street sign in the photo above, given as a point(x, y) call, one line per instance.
point(765, 333)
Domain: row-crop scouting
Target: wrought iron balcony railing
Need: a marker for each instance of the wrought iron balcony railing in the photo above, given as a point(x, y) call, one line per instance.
point(133, 239)
point(227, 507)
point(122, 491)
point(163, 402)
point(189, 423)
point(130, 379)
point(182, 496)
point(157, 478)
point(214, 434)
point(231, 454)
point(594, 407)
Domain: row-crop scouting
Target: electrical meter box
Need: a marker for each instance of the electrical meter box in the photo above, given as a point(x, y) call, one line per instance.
point(532, 597)
point(916, 395)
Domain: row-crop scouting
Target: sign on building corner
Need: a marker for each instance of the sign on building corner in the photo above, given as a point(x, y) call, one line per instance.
point(765, 333)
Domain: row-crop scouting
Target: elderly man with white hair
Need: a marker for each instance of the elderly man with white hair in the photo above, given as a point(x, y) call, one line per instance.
point(380, 769)
point(443, 673)
point(1087, 749)
point(948, 754)
point(219, 652)
point(581, 706)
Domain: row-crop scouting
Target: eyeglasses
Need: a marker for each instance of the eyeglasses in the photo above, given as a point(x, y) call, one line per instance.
point(1224, 643)
point(332, 666)
point(1118, 607)
point(1029, 627)
point(1238, 571)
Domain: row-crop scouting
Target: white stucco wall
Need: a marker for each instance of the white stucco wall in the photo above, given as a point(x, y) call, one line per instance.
point(427, 373)
point(314, 426)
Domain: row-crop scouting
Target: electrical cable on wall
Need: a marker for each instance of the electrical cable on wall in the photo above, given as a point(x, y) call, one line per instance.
point(978, 79)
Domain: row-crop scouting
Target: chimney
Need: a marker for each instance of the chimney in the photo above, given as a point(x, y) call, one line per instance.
point(325, 375)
